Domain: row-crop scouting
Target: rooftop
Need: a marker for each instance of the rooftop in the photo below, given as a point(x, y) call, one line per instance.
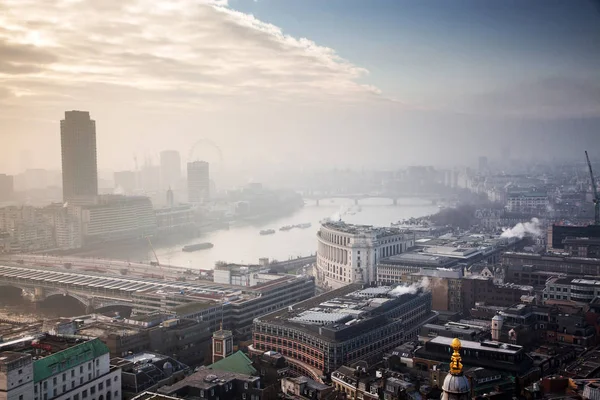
point(365, 230)
point(343, 309)
point(487, 345)
point(238, 362)
point(207, 378)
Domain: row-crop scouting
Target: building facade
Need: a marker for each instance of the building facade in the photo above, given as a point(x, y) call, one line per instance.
point(198, 181)
point(64, 368)
point(349, 253)
point(79, 163)
point(343, 326)
point(116, 217)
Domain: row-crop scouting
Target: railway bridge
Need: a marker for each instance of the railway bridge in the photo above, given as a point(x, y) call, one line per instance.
point(94, 290)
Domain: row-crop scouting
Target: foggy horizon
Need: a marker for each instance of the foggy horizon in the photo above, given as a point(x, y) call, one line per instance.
point(352, 86)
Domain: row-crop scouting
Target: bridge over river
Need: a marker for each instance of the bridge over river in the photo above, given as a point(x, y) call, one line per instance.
point(96, 290)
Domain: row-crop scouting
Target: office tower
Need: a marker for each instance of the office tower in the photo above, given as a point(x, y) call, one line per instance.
point(170, 169)
point(198, 181)
point(79, 163)
point(125, 181)
point(6, 187)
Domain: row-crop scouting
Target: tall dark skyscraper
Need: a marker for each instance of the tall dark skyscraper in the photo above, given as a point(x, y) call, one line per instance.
point(79, 163)
point(198, 180)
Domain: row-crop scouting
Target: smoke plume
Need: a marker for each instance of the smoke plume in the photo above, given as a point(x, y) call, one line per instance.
point(411, 289)
point(520, 230)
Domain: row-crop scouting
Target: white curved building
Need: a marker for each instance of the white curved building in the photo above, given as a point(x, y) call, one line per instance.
point(349, 253)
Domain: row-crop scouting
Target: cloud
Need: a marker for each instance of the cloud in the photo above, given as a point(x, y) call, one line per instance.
point(170, 49)
point(550, 98)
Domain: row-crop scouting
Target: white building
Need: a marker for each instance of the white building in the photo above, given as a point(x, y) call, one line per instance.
point(527, 201)
point(349, 253)
point(63, 368)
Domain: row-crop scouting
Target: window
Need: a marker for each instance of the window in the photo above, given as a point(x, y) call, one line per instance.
point(93, 390)
point(72, 373)
point(201, 393)
point(108, 382)
point(20, 372)
point(245, 385)
point(84, 394)
point(101, 386)
point(20, 396)
point(64, 376)
point(218, 347)
point(76, 396)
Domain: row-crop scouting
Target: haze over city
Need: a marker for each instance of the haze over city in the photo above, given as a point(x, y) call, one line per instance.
point(337, 83)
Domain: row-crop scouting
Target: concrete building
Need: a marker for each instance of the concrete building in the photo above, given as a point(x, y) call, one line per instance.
point(170, 169)
point(185, 339)
point(79, 163)
point(349, 253)
point(26, 229)
point(571, 289)
point(7, 187)
point(58, 367)
point(116, 217)
point(554, 264)
point(527, 201)
point(198, 181)
point(16, 376)
point(180, 218)
point(143, 372)
point(212, 385)
point(125, 181)
point(343, 326)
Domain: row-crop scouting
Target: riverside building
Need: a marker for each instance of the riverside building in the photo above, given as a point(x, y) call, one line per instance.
point(349, 253)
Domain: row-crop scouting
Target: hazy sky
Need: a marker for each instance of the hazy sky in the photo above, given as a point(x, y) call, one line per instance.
point(301, 83)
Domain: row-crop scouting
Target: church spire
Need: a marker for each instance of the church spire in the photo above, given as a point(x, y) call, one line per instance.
point(455, 363)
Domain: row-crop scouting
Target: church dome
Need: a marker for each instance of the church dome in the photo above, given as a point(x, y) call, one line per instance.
point(456, 384)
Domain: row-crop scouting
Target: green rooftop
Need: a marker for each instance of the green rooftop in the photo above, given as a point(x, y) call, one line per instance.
point(81, 353)
point(238, 362)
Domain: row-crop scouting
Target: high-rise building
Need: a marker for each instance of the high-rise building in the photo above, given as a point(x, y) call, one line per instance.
point(79, 162)
point(198, 181)
point(170, 169)
point(6, 187)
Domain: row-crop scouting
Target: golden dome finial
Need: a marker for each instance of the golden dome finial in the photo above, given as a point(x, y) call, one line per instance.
point(455, 363)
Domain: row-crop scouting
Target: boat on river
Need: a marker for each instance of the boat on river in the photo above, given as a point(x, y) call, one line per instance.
point(197, 246)
point(267, 232)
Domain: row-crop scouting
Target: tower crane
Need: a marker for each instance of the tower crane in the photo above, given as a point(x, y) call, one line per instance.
point(594, 192)
point(153, 252)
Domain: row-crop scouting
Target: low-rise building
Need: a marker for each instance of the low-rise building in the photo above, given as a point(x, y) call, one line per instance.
point(186, 340)
point(148, 372)
point(50, 367)
point(305, 388)
point(211, 385)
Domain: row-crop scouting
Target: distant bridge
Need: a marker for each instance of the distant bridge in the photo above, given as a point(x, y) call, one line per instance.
point(319, 196)
point(93, 290)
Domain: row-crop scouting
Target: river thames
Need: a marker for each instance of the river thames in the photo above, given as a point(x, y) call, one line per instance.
point(242, 243)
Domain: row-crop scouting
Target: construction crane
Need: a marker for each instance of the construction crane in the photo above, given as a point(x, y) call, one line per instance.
point(153, 252)
point(594, 192)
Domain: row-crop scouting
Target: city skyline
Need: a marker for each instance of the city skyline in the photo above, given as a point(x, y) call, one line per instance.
point(446, 77)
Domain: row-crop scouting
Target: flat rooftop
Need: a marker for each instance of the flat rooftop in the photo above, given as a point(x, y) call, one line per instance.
point(487, 345)
point(419, 258)
point(352, 229)
point(341, 310)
